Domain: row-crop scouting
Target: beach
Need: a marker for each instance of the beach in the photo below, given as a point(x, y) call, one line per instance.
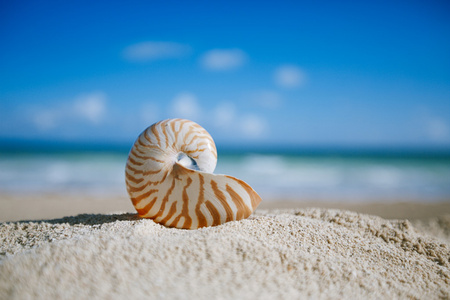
point(101, 249)
point(19, 207)
point(328, 227)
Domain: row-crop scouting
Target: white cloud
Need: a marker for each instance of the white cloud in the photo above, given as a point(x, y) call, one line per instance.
point(438, 130)
point(147, 51)
point(289, 76)
point(223, 59)
point(185, 105)
point(91, 107)
point(224, 115)
point(45, 119)
point(253, 126)
point(267, 99)
point(87, 107)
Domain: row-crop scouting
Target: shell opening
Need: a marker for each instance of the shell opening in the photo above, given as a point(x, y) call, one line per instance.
point(187, 161)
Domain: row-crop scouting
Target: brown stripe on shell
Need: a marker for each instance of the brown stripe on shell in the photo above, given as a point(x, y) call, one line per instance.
point(156, 134)
point(221, 197)
point(139, 198)
point(147, 137)
point(172, 211)
point(146, 146)
point(242, 210)
point(144, 157)
point(201, 199)
point(136, 189)
point(175, 134)
point(185, 143)
point(214, 213)
point(197, 136)
point(180, 129)
point(148, 172)
point(254, 197)
point(164, 201)
point(133, 179)
point(143, 211)
point(185, 210)
point(166, 137)
point(136, 163)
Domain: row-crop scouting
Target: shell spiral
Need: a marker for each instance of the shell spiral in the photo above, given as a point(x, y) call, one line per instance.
point(169, 178)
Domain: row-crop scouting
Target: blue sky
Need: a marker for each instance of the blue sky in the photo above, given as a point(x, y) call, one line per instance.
point(328, 73)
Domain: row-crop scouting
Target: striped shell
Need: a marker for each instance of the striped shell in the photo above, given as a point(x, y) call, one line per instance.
point(169, 178)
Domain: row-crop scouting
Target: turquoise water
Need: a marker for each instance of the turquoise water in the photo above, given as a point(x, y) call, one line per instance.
point(343, 178)
point(273, 176)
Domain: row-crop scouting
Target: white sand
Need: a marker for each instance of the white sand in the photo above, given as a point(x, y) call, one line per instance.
point(313, 253)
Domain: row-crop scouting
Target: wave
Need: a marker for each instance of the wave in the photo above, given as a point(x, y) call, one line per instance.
point(272, 176)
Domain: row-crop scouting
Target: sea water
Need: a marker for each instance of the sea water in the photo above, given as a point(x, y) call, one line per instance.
point(274, 176)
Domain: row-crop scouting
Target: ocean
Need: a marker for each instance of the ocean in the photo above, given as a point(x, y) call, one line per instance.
point(321, 176)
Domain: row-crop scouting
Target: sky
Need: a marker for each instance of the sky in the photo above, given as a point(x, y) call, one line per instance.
point(253, 73)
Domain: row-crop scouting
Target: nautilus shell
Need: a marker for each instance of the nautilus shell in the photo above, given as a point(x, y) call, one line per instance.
point(169, 178)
